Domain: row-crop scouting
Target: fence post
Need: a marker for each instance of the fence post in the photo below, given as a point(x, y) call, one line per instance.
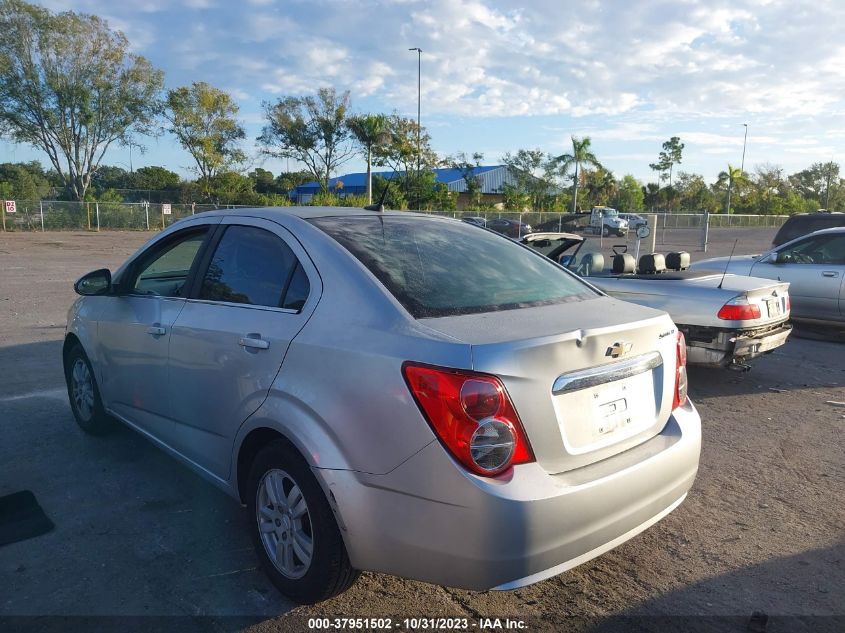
point(3, 214)
point(653, 220)
point(88, 210)
point(147, 213)
point(97, 208)
point(161, 208)
point(193, 204)
point(706, 235)
point(41, 212)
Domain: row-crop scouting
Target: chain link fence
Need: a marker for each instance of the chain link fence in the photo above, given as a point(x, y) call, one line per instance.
point(59, 215)
point(96, 216)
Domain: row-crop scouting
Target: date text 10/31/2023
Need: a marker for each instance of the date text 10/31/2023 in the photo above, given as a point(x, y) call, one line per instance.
point(418, 624)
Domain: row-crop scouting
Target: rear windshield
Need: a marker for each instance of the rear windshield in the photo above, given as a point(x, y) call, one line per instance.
point(436, 267)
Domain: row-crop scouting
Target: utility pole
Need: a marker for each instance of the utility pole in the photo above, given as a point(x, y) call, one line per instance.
point(419, 99)
point(744, 140)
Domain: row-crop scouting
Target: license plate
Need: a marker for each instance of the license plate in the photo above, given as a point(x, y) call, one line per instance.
point(775, 307)
point(612, 409)
point(612, 415)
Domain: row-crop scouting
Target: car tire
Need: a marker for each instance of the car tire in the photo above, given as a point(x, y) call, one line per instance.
point(84, 394)
point(281, 532)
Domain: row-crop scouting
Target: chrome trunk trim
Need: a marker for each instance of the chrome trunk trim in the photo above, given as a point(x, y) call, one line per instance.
point(586, 378)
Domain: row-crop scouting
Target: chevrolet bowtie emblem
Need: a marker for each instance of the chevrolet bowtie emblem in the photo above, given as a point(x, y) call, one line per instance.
point(618, 349)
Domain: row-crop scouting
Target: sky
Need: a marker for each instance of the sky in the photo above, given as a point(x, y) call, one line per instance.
point(499, 76)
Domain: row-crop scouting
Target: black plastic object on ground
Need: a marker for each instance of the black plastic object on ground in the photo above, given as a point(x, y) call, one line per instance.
point(21, 518)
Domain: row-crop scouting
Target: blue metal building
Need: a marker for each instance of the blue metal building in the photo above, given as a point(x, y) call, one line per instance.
point(492, 179)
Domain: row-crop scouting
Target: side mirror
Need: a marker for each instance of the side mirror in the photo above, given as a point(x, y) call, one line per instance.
point(782, 257)
point(97, 282)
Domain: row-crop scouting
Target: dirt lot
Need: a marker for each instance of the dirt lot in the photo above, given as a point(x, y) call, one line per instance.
point(137, 534)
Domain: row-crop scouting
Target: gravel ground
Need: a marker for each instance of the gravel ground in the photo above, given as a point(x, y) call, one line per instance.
point(137, 534)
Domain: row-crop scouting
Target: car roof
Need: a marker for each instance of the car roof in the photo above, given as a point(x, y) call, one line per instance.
point(307, 213)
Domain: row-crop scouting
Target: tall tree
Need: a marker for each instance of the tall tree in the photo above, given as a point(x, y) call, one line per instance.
point(580, 155)
point(369, 131)
point(204, 120)
point(533, 172)
point(69, 86)
point(667, 159)
point(733, 175)
point(629, 194)
point(400, 154)
point(468, 166)
point(311, 130)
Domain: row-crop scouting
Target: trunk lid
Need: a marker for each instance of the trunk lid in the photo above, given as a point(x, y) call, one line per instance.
point(588, 379)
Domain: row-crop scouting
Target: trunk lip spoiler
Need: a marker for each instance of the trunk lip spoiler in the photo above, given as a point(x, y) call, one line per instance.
point(610, 372)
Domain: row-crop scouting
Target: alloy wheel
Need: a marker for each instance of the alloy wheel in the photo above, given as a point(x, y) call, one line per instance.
point(284, 523)
point(82, 389)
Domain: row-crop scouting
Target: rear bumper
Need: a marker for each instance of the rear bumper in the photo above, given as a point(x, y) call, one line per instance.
point(734, 346)
point(430, 520)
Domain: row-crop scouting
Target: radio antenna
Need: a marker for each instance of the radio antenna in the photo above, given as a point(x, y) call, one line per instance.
point(727, 264)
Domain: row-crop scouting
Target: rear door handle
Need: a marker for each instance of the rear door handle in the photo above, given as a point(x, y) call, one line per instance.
point(830, 273)
point(156, 330)
point(253, 342)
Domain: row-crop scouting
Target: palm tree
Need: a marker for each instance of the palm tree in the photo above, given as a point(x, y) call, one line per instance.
point(581, 155)
point(732, 175)
point(369, 130)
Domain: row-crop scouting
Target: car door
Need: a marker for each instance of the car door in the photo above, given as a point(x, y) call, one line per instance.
point(255, 291)
point(814, 266)
point(133, 327)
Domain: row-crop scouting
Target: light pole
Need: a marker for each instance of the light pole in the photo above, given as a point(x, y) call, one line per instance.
point(419, 96)
point(744, 140)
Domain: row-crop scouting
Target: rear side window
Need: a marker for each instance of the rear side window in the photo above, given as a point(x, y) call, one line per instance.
point(437, 267)
point(255, 267)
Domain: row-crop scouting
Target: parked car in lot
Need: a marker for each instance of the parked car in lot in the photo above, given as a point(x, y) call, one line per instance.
point(814, 266)
point(634, 220)
point(381, 400)
point(475, 219)
point(506, 226)
point(726, 319)
point(802, 224)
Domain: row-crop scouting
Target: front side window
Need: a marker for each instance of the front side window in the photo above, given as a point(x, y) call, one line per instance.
point(819, 249)
point(164, 270)
point(437, 267)
point(254, 267)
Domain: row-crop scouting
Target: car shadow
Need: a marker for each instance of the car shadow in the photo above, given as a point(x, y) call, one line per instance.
point(137, 533)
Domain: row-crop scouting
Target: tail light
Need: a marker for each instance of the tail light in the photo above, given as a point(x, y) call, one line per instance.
point(788, 303)
point(739, 309)
point(472, 416)
point(681, 380)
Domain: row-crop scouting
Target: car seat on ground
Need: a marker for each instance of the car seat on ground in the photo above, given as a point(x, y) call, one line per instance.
point(652, 263)
point(678, 260)
point(624, 264)
point(591, 264)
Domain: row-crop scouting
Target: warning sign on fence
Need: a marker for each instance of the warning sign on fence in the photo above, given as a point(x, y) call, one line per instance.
point(11, 207)
point(165, 209)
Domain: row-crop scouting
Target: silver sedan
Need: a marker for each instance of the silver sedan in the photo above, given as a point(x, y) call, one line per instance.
point(391, 392)
point(814, 266)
